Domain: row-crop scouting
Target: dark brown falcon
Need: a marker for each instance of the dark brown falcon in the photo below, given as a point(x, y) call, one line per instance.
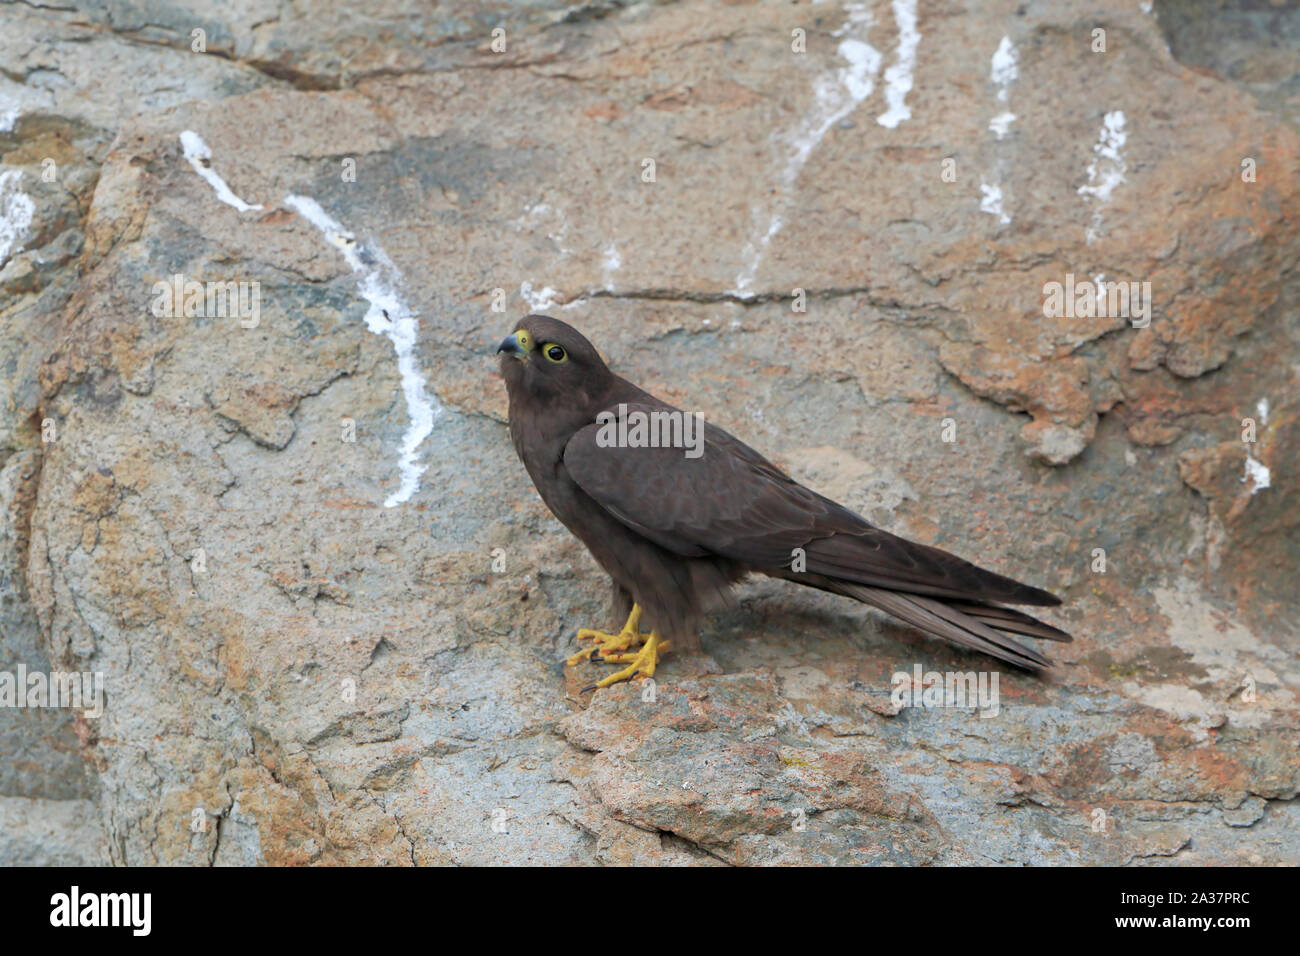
point(676, 525)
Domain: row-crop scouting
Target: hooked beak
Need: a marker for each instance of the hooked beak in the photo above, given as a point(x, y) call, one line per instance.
point(512, 346)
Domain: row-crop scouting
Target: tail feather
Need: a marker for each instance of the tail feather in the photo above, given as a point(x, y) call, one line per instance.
point(1012, 621)
point(978, 627)
point(938, 618)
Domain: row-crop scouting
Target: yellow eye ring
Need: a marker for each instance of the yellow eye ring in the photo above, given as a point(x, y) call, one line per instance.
point(555, 354)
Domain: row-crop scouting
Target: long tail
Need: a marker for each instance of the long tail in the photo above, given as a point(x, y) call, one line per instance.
point(981, 627)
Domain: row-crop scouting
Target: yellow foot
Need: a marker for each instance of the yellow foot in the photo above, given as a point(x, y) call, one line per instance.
point(607, 644)
point(642, 662)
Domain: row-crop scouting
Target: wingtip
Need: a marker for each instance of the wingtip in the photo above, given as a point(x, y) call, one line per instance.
point(1036, 597)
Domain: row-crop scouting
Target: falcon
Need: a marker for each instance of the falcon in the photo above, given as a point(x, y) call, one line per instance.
point(677, 510)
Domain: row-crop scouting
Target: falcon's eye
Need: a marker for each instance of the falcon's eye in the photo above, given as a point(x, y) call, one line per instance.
point(555, 354)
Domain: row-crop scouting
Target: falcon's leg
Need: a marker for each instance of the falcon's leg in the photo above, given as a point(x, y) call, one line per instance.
point(607, 644)
point(642, 662)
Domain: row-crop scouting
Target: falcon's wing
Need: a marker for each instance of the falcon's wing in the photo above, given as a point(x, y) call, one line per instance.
point(733, 502)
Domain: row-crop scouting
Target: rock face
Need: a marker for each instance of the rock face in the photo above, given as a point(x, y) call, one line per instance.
point(278, 512)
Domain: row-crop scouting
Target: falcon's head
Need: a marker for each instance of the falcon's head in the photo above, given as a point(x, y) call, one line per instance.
point(549, 359)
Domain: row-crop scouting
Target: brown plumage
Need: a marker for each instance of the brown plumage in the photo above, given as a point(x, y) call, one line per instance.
point(675, 532)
